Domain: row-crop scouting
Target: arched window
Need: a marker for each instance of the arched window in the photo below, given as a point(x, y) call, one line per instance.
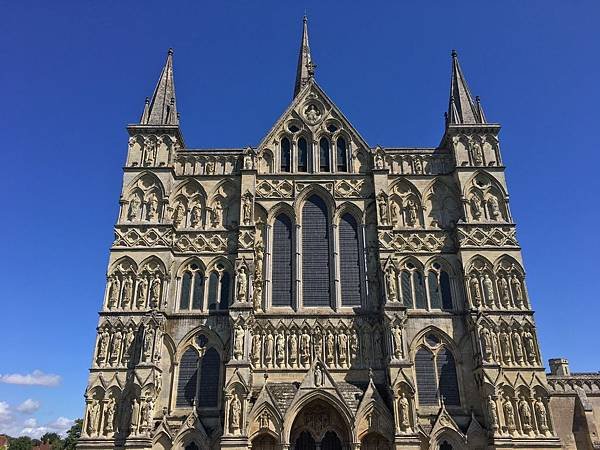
point(419, 285)
point(199, 379)
point(281, 290)
point(315, 253)
point(435, 298)
point(324, 155)
point(406, 285)
point(350, 273)
point(191, 296)
point(210, 368)
point(436, 374)
point(440, 293)
point(213, 290)
point(342, 155)
point(446, 290)
point(224, 297)
point(448, 383)
point(188, 378)
point(302, 155)
point(426, 377)
point(412, 286)
point(285, 155)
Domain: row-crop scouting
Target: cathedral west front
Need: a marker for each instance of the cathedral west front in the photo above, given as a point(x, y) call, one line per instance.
point(318, 293)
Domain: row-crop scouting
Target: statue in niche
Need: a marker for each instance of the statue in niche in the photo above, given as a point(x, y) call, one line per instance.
point(411, 213)
point(178, 214)
point(109, 416)
point(318, 345)
point(488, 290)
point(418, 166)
point(492, 412)
point(259, 254)
point(155, 292)
point(140, 299)
point(196, 216)
point(256, 341)
point(378, 349)
point(342, 348)
point(147, 346)
point(235, 413)
point(494, 208)
point(312, 114)
point(367, 348)
point(152, 205)
point(146, 415)
point(248, 161)
point(293, 349)
point(113, 292)
point(127, 292)
point(505, 347)
point(210, 167)
point(257, 296)
point(116, 346)
point(242, 284)
point(541, 414)
point(475, 207)
point(264, 420)
point(403, 412)
point(133, 211)
point(92, 418)
point(487, 344)
point(379, 162)
point(509, 415)
point(103, 342)
point(517, 347)
point(330, 347)
point(127, 343)
point(517, 290)
point(397, 339)
point(395, 212)
point(217, 214)
point(318, 376)
point(280, 348)
point(477, 154)
point(135, 413)
point(247, 209)
point(305, 348)
point(529, 343)
point(390, 281)
point(383, 209)
point(475, 291)
point(268, 349)
point(525, 414)
point(495, 345)
point(503, 288)
point(238, 342)
point(150, 152)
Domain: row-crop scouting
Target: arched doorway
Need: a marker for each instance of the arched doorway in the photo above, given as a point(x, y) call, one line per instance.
point(264, 442)
point(319, 426)
point(374, 441)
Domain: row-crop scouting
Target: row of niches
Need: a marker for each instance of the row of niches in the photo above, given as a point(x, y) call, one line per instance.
point(131, 289)
point(125, 345)
point(500, 286)
point(508, 345)
point(522, 412)
point(476, 150)
point(151, 150)
point(117, 412)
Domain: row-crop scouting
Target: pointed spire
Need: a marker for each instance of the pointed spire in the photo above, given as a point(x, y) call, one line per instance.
point(462, 109)
point(306, 68)
point(161, 109)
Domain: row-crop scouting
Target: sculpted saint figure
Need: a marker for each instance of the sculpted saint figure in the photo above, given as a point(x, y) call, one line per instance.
point(517, 290)
point(217, 219)
point(195, 216)
point(93, 416)
point(505, 347)
point(475, 291)
point(236, 410)
point(135, 413)
point(242, 284)
point(487, 344)
point(525, 414)
point(397, 338)
point(342, 348)
point(475, 207)
point(418, 166)
point(129, 336)
point(411, 213)
point(127, 291)
point(269, 349)
point(134, 208)
point(383, 209)
point(488, 290)
point(503, 288)
point(395, 212)
point(152, 204)
point(330, 347)
point(477, 154)
point(492, 412)
point(116, 347)
point(280, 348)
point(255, 348)
point(148, 341)
point(530, 347)
point(210, 167)
point(113, 293)
point(155, 292)
point(247, 209)
point(318, 376)
point(379, 163)
point(103, 342)
point(517, 347)
point(179, 214)
point(541, 414)
point(509, 415)
point(353, 346)
point(403, 412)
point(494, 208)
point(305, 347)
point(238, 347)
point(390, 281)
point(318, 345)
point(140, 299)
point(293, 349)
point(109, 416)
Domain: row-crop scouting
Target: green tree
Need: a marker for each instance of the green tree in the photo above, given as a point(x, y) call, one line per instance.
point(21, 443)
point(49, 438)
point(73, 435)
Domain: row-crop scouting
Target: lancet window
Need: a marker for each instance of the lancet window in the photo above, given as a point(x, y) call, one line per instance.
point(324, 155)
point(316, 287)
point(341, 155)
point(434, 292)
point(285, 155)
point(282, 256)
point(351, 272)
point(195, 295)
point(302, 155)
point(435, 370)
point(199, 377)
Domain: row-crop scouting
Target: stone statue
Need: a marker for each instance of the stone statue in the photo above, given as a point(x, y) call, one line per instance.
point(127, 292)
point(525, 414)
point(330, 347)
point(390, 281)
point(494, 208)
point(509, 415)
point(353, 346)
point(505, 347)
point(116, 347)
point(488, 290)
point(378, 345)
point(367, 348)
point(418, 167)
point(155, 292)
point(113, 293)
point(127, 343)
point(135, 412)
point(477, 154)
point(487, 344)
point(492, 412)
point(318, 376)
point(268, 349)
point(146, 415)
point(305, 348)
point(140, 299)
point(195, 216)
point(259, 254)
point(93, 416)
point(411, 213)
point(312, 114)
point(397, 339)
point(103, 342)
point(242, 284)
point(395, 212)
point(280, 349)
point(210, 167)
point(293, 349)
point(264, 419)
point(133, 211)
point(475, 207)
point(541, 415)
point(403, 412)
point(517, 347)
point(152, 205)
point(148, 344)
point(255, 352)
point(503, 289)
point(178, 214)
point(247, 209)
point(217, 214)
point(150, 152)
point(238, 344)
point(496, 346)
point(517, 291)
point(318, 345)
point(109, 417)
point(475, 291)
point(383, 209)
point(529, 342)
point(379, 162)
point(235, 413)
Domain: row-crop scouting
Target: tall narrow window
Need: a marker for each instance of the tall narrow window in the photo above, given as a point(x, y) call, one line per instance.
point(198, 295)
point(188, 378)
point(435, 299)
point(446, 290)
point(285, 155)
point(210, 368)
point(406, 285)
point(324, 155)
point(342, 155)
point(186, 285)
point(281, 290)
point(302, 155)
point(224, 297)
point(448, 383)
point(420, 294)
point(426, 378)
point(213, 290)
point(315, 253)
point(349, 261)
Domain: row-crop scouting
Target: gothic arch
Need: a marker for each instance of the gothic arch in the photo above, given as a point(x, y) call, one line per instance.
point(445, 340)
point(154, 264)
point(348, 208)
point(123, 264)
point(281, 208)
point(442, 204)
point(186, 262)
point(309, 191)
point(212, 340)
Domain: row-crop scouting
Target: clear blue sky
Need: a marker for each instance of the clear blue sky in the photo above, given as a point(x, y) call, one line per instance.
point(75, 73)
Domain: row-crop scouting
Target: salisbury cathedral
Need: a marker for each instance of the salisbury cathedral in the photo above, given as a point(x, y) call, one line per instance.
point(318, 293)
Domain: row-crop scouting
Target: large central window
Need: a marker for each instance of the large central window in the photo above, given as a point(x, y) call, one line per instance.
point(282, 261)
point(316, 286)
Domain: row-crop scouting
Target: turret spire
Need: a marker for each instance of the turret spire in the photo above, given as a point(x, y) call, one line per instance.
point(161, 109)
point(306, 68)
point(462, 109)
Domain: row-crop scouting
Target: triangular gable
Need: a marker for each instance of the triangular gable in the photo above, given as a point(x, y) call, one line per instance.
point(236, 378)
point(312, 91)
point(193, 425)
point(373, 414)
point(444, 422)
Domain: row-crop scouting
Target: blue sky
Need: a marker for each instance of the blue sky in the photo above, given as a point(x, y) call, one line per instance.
point(75, 73)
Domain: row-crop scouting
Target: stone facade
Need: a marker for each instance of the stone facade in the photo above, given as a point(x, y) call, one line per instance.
point(316, 292)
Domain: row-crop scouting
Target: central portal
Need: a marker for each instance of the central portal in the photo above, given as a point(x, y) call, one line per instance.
point(319, 426)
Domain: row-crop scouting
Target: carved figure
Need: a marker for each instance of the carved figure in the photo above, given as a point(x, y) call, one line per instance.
point(109, 416)
point(293, 349)
point(268, 349)
point(492, 412)
point(383, 209)
point(210, 167)
point(113, 293)
point(195, 216)
point(155, 292)
point(264, 419)
point(178, 214)
point(517, 291)
point(305, 348)
point(488, 290)
point(411, 213)
point(390, 281)
point(127, 292)
point(475, 207)
point(525, 414)
point(312, 114)
point(541, 415)
point(247, 209)
point(517, 347)
point(103, 342)
point(93, 416)
point(242, 284)
point(133, 211)
point(116, 346)
point(330, 347)
point(135, 412)
point(487, 344)
point(379, 162)
point(395, 212)
point(342, 348)
point(235, 413)
point(148, 341)
point(503, 289)
point(255, 353)
point(397, 339)
point(152, 205)
point(217, 214)
point(280, 349)
point(318, 345)
point(127, 343)
point(509, 415)
point(403, 412)
point(238, 345)
point(140, 299)
point(318, 376)
point(353, 346)
point(505, 347)
point(477, 154)
point(529, 342)
point(418, 166)
point(150, 152)
point(494, 208)
point(475, 291)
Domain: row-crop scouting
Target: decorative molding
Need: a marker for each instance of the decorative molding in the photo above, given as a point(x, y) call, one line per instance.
point(487, 236)
point(274, 189)
point(412, 241)
point(128, 236)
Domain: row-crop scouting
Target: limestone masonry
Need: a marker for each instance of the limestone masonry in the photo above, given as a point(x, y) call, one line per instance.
point(314, 292)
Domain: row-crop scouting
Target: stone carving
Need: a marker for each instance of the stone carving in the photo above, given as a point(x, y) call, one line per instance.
point(342, 349)
point(382, 205)
point(268, 349)
point(476, 209)
point(541, 415)
point(305, 348)
point(155, 291)
point(330, 347)
point(133, 211)
point(492, 412)
point(179, 214)
point(103, 342)
point(148, 343)
point(312, 114)
point(488, 290)
point(238, 346)
point(279, 349)
point(475, 291)
point(242, 284)
point(293, 349)
point(477, 153)
point(487, 345)
point(116, 347)
point(529, 342)
point(152, 207)
point(196, 216)
point(379, 160)
point(517, 347)
point(525, 414)
point(351, 188)
point(264, 419)
point(403, 413)
point(488, 236)
point(503, 290)
point(415, 241)
point(494, 208)
point(274, 189)
point(505, 347)
point(93, 417)
point(509, 415)
point(318, 376)
point(235, 412)
point(517, 291)
point(126, 295)
point(109, 416)
point(130, 236)
point(217, 214)
point(397, 341)
point(256, 347)
point(247, 209)
point(128, 344)
point(207, 242)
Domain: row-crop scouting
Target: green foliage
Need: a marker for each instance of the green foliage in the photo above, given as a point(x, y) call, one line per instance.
point(73, 435)
point(21, 443)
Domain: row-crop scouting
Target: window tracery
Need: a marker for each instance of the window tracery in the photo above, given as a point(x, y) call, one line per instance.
point(486, 201)
point(144, 201)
